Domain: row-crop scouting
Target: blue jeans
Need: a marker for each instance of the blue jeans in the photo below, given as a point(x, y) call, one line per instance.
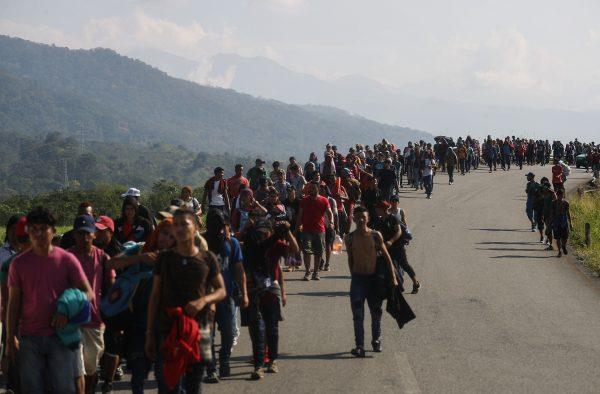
point(137, 361)
point(529, 210)
point(265, 329)
point(416, 177)
point(224, 318)
point(428, 184)
point(190, 383)
point(361, 289)
point(42, 358)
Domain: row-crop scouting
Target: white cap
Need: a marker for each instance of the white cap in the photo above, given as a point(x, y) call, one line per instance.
point(132, 191)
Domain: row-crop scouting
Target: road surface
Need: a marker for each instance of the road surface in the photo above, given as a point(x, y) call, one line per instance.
point(496, 313)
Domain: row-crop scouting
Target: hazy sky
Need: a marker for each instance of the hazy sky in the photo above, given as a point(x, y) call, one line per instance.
point(531, 53)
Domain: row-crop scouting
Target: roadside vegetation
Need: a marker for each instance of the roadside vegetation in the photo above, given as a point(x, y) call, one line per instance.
point(586, 209)
point(105, 198)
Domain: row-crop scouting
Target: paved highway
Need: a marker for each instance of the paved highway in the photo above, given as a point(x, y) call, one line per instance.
point(496, 312)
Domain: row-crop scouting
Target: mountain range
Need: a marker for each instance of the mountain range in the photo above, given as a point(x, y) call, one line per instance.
point(357, 94)
point(105, 96)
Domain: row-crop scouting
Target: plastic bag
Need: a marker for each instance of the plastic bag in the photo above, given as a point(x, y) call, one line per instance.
point(338, 244)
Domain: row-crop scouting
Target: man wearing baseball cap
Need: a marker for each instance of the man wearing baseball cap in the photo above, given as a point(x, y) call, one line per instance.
point(105, 239)
point(256, 173)
point(93, 261)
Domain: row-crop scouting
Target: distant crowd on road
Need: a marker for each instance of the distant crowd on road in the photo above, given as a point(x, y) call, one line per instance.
point(155, 289)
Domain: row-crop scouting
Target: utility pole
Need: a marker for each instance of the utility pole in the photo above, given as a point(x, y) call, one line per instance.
point(66, 174)
point(82, 137)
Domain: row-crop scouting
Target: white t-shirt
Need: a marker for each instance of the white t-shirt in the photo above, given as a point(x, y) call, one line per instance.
point(428, 167)
point(216, 197)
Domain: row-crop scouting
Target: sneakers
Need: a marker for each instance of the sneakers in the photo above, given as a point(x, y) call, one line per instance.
point(118, 374)
point(376, 346)
point(211, 378)
point(272, 367)
point(549, 247)
point(307, 276)
point(224, 371)
point(258, 374)
point(565, 250)
point(416, 287)
point(315, 276)
point(358, 352)
point(106, 387)
point(326, 267)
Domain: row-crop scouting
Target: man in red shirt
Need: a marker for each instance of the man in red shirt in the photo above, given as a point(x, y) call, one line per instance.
point(311, 221)
point(234, 183)
point(557, 176)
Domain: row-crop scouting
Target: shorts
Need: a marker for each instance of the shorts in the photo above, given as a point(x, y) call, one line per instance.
point(313, 242)
point(78, 362)
point(329, 237)
point(92, 340)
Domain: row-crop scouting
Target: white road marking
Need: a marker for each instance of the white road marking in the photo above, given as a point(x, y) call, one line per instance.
point(407, 376)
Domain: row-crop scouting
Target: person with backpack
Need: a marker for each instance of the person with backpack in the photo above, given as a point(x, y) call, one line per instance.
point(189, 201)
point(229, 253)
point(135, 265)
point(264, 246)
point(94, 263)
point(396, 237)
point(365, 247)
point(131, 226)
point(256, 173)
point(186, 280)
point(143, 211)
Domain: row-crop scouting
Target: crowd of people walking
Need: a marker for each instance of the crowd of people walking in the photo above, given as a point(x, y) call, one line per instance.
point(155, 289)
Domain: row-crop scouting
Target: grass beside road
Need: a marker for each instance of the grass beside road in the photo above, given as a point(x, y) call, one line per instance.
point(586, 209)
point(59, 230)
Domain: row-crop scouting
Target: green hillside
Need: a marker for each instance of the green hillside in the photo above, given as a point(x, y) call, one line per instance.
point(35, 165)
point(112, 97)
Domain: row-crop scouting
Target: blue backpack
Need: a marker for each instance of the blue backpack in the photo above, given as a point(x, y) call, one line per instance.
point(119, 296)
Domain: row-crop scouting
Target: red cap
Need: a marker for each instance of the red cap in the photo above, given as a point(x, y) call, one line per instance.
point(21, 227)
point(104, 222)
point(383, 204)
